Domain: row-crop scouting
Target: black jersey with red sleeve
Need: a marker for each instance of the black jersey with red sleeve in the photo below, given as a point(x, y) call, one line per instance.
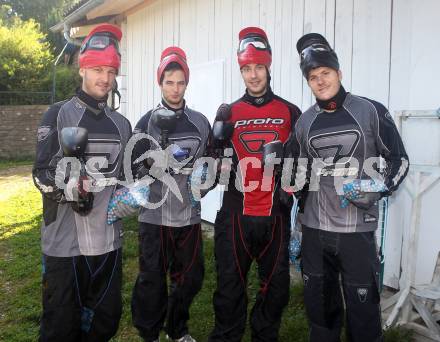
point(257, 121)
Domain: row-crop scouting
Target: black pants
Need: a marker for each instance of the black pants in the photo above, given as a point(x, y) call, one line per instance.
point(238, 241)
point(326, 256)
point(81, 298)
point(162, 249)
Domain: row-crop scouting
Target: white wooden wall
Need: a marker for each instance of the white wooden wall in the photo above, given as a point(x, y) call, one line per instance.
point(415, 47)
point(388, 50)
point(122, 76)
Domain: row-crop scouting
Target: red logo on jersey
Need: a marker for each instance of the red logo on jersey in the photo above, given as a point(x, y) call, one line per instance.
point(332, 105)
point(254, 141)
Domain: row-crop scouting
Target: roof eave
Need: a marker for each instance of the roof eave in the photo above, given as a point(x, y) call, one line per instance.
point(76, 15)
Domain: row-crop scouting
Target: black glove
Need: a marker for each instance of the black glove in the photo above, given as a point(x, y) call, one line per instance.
point(366, 200)
point(286, 199)
point(221, 130)
point(221, 133)
point(84, 204)
point(78, 196)
point(272, 150)
point(224, 112)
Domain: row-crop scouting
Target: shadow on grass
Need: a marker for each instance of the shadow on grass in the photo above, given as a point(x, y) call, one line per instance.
point(5, 232)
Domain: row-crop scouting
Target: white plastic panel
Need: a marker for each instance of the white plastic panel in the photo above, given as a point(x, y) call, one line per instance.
point(205, 94)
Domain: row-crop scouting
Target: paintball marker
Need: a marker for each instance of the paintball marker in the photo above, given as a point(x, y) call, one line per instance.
point(74, 142)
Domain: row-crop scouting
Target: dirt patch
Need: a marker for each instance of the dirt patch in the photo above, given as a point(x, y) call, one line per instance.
point(18, 171)
point(13, 180)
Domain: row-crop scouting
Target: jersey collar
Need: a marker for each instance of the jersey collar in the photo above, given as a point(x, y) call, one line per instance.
point(95, 105)
point(258, 101)
point(335, 102)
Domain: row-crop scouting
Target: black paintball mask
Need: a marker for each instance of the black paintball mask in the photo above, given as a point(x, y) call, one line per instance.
point(315, 51)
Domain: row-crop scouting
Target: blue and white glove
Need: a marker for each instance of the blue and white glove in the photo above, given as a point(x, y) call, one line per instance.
point(126, 201)
point(295, 250)
point(363, 193)
point(195, 181)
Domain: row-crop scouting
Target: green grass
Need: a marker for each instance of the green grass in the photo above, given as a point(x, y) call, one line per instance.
point(20, 274)
point(202, 315)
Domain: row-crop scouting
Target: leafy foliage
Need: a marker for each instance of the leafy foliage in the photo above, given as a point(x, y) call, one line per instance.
point(24, 54)
point(67, 80)
point(26, 61)
point(46, 12)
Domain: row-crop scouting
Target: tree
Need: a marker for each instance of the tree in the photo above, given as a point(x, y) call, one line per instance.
point(35, 9)
point(25, 56)
point(7, 14)
point(46, 12)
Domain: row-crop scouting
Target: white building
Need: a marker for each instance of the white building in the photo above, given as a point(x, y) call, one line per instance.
point(388, 50)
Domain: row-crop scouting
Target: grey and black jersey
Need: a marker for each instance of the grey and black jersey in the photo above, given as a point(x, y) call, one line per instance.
point(192, 135)
point(339, 146)
point(65, 233)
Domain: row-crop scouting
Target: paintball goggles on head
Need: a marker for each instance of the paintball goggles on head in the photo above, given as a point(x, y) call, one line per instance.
point(74, 142)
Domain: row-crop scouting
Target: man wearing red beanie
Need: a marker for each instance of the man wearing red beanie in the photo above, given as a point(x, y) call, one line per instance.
point(82, 258)
point(170, 239)
point(252, 224)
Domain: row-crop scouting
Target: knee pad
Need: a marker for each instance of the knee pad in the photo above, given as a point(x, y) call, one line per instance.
point(280, 285)
point(61, 322)
point(190, 284)
point(149, 285)
point(230, 285)
point(363, 312)
point(361, 294)
point(276, 294)
point(323, 300)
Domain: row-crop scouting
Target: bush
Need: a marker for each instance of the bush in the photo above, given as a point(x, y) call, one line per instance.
point(25, 56)
point(67, 80)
